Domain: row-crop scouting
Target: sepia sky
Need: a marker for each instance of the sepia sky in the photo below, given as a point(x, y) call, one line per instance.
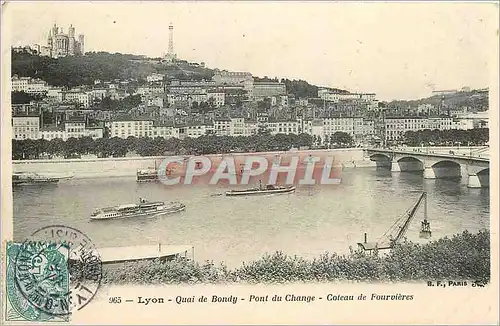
point(399, 51)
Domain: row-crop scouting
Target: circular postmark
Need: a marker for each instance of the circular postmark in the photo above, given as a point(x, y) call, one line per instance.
point(58, 270)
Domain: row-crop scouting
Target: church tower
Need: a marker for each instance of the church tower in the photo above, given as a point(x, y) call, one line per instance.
point(71, 40)
point(49, 39)
point(55, 31)
point(81, 44)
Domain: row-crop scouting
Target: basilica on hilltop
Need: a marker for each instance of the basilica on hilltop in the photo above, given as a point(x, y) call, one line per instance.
point(60, 44)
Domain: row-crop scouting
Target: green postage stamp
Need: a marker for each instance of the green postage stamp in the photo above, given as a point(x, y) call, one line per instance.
point(37, 282)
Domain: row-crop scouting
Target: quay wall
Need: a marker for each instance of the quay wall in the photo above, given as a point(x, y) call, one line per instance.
point(128, 166)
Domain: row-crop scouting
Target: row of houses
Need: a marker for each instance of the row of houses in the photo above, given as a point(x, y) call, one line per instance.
point(396, 127)
point(29, 127)
point(329, 95)
point(160, 93)
point(33, 86)
point(155, 93)
point(362, 130)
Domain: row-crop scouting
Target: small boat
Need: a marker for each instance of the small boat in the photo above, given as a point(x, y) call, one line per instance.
point(267, 190)
point(151, 174)
point(31, 178)
point(147, 175)
point(143, 208)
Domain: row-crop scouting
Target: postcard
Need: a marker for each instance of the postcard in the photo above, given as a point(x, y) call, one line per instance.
point(250, 162)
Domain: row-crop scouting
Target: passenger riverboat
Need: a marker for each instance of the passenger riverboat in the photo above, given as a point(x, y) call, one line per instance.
point(261, 190)
point(143, 208)
point(31, 178)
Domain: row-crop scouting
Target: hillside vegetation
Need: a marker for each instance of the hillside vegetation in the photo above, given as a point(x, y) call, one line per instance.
point(475, 99)
point(83, 70)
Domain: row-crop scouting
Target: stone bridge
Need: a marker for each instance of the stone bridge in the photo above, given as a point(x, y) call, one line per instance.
point(475, 163)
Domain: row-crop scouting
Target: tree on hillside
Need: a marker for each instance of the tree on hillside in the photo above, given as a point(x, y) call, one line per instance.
point(266, 79)
point(195, 107)
point(125, 104)
point(263, 130)
point(300, 88)
point(23, 97)
point(130, 101)
point(264, 105)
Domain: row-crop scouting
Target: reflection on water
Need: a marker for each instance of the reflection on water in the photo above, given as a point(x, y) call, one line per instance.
point(309, 222)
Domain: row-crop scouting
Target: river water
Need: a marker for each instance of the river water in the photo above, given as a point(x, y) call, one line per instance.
point(313, 220)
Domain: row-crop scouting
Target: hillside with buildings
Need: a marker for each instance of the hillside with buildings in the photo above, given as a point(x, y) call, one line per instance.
point(467, 100)
point(61, 93)
point(73, 71)
point(102, 95)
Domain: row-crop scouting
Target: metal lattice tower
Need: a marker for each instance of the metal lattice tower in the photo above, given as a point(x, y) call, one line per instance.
point(171, 39)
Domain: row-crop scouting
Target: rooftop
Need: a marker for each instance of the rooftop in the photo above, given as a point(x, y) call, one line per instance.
point(267, 83)
point(282, 120)
point(26, 115)
point(52, 128)
point(130, 118)
point(75, 120)
point(122, 254)
point(163, 124)
point(409, 117)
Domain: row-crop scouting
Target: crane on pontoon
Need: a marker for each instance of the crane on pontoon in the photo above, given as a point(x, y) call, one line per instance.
point(397, 231)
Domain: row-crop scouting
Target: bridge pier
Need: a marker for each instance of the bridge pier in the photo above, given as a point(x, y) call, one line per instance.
point(474, 181)
point(429, 173)
point(395, 167)
point(478, 178)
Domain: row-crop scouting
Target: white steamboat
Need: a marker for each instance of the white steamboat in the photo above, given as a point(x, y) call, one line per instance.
point(144, 208)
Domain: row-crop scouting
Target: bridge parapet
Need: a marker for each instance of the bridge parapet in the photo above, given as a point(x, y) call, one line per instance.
point(483, 157)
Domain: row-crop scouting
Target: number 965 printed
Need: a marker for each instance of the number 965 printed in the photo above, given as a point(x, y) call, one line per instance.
point(115, 300)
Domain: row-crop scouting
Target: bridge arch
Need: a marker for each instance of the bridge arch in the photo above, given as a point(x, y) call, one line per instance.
point(484, 171)
point(484, 177)
point(410, 164)
point(381, 160)
point(444, 169)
